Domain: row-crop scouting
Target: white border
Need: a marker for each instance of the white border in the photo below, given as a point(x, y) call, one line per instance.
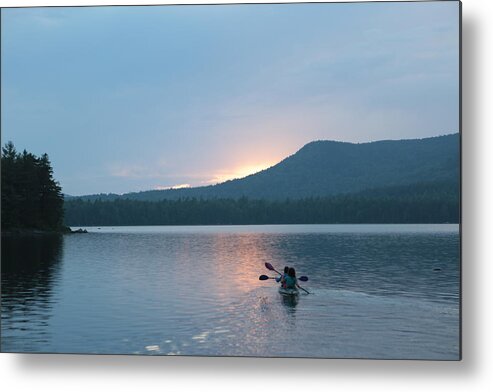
point(123, 373)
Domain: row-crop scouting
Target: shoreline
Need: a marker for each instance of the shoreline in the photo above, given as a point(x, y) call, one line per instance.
point(40, 232)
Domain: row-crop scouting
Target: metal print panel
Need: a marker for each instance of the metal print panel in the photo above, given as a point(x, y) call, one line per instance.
point(255, 180)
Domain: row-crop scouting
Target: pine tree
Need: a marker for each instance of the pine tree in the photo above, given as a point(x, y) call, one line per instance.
point(31, 198)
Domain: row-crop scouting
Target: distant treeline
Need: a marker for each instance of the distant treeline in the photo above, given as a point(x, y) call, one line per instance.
point(421, 203)
point(31, 198)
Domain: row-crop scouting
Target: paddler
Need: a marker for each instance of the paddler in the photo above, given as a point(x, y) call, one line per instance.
point(290, 280)
point(282, 278)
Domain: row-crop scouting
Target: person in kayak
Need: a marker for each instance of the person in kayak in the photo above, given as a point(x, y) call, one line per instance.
point(282, 278)
point(290, 280)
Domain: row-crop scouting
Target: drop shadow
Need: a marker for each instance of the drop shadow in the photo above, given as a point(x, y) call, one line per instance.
point(30, 364)
point(471, 181)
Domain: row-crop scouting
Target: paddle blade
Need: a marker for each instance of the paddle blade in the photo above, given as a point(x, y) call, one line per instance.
point(263, 277)
point(303, 278)
point(269, 266)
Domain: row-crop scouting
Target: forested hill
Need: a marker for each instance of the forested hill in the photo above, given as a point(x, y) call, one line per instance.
point(327, 168)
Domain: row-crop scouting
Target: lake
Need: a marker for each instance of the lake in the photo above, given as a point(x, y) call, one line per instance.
point(377, 291)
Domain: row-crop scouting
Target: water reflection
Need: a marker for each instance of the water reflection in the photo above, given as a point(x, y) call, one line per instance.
point(195, 291)
point(290, 301)
point(30, 266)
point(234, 257)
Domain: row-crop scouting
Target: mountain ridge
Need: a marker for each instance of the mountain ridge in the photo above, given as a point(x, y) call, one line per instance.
point(326, 167)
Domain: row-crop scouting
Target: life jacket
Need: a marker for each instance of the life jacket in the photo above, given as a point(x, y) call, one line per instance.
point(290, 283)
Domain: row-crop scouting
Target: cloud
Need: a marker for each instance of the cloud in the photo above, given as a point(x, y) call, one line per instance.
point(134, 171)
point(178, 186)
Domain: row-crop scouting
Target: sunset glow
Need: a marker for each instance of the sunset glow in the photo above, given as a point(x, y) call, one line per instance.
point(179, 186)
point(239, 172)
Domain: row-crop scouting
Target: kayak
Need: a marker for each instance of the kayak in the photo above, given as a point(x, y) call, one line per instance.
point(291, 292)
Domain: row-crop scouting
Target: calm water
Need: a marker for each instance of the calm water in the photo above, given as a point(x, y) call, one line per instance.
point(378, 291)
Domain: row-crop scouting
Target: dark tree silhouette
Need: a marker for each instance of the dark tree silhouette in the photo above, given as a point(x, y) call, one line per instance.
point(419, 203)
point(31, 198)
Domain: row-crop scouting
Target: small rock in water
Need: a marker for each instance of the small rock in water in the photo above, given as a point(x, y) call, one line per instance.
point(79, 231)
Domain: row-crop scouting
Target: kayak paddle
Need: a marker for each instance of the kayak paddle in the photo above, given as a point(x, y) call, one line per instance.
point(265, 277)
point(270, 267)
point(306, 291)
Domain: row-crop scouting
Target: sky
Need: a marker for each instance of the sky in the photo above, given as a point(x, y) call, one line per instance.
point(128, 99)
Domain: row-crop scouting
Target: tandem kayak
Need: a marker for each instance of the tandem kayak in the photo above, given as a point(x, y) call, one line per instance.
point(290, 292)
